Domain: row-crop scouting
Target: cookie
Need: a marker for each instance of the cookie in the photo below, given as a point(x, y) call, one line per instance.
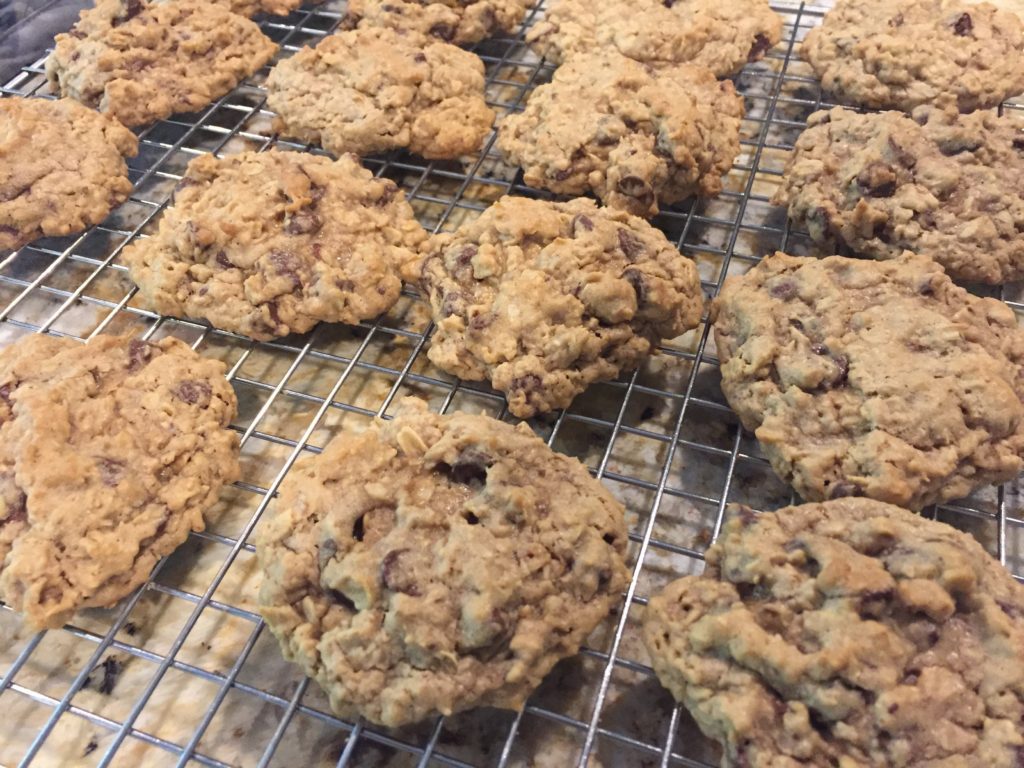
point(69, 187)
point(249, 8)
point(719, 36)
point(372, 90)
point(436, 563)
point(462, 22)
point(542, 299)
point(141, 62)
point(885, 55)
point(110, 453)
point(271, 243)
point(848, 633)
point(948, 186)
point(873, 378)
point(634, 135)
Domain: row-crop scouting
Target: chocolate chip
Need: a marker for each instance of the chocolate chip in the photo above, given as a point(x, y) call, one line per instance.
point(636, 279)
point(420, 58)
point(222, 259)
point(630, 245)
point(1018, 142)
point(451, 304)
point(139, 353)
point(91, 747)
point(783, 289)
point(819, 349)
point(340, 598)
point(305, 223)
point(844, 489)
point(111, 471)
point(132, 8)
point(443, 31)
point(393, 577)
point(896, 21)
point(388, 193)
point(78, 35)
point(963, 26)
point(470, 468)
point(842, 363)
point(529, 383)
point(470, 518)
point(130, 628)
point(1013, 611)
point(634, 186)
point(287, 265)
point(758, 49)
point(581, 223)
point(877, 180)
point(563, 174)
point(796, 324)
point(480, 321)
point(350, 21)
point(358, 528)
point(18, 511)
point(747, 515)
point(193, 392)
point(274, 316)
point(5, 394)
point(668, 3)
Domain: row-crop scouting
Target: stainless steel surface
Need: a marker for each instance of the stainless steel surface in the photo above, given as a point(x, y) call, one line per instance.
point(184, 672)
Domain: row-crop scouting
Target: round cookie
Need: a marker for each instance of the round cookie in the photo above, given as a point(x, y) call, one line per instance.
point(68, 188)
point(542, 299)
point(271, 243)
point(437, 563)
point(110, 453)
point(632, 134)
point(849, 633)
point(372, 90)
point(141, 62)
point(884, 55)
point(873, 378)
point(462, 22)
point(720, 36)
point(942, 184)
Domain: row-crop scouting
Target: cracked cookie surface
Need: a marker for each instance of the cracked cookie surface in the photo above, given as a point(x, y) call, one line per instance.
point(849, 633)
point(372, 90)
point(141, 62)
point(271, 243)
point(110, 453)
point(70, 187)
point(874, 378)
point(542, 299)
point(634, 135)
point(942, 184)
point(885, 55)
point(437, 563)
point(462, 22)
point(719, 36)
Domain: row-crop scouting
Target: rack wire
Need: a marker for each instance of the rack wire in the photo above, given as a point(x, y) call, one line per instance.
point(184, 671)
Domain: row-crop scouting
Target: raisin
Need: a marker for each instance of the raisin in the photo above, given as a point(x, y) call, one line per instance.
point(783, 289)
point(758, 49)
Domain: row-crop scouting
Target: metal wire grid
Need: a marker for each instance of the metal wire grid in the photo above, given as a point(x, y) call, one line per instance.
point(661, 438)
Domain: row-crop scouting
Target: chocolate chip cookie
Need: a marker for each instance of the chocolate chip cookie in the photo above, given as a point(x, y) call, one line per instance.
point(74, 183)
point(542, 299)
point(140, 61)
point(873, 378)
point(941, 184)
point(719, 36)
point(437, 563)
point(267, 244)
point(371, 90)
point(462, 22)
point(885, 55)
point(849, 633)
point(632, 134)
point(110, 453)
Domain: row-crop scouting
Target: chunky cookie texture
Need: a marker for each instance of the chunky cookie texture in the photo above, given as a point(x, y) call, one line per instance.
point(74, 183)
point(141, 62)
point(886, 55)
point(634, 135)
point(462, 22)
point(371, 90)
point(250, 8)
point(267, 244)
point(721, 36)
point(437, 563)
point(848, 633)
point(110, 453)
point(542, 299)
point(880, 379)
point(941, 184)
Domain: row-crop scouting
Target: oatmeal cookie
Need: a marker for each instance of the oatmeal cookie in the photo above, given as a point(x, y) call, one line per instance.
point(634, 135)
point(720, 36)
point(437, 563)
point(945, 185)
point(69, 187)
point(371, 90)
point(873, 378)
point(848, 633)
point(885, 55)
point(141, 62)
point(462, 22)
point(110, 453)
point(542, 299)
point(271, 243)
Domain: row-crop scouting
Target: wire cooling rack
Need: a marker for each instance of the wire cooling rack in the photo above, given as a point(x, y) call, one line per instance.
point(185, 673)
